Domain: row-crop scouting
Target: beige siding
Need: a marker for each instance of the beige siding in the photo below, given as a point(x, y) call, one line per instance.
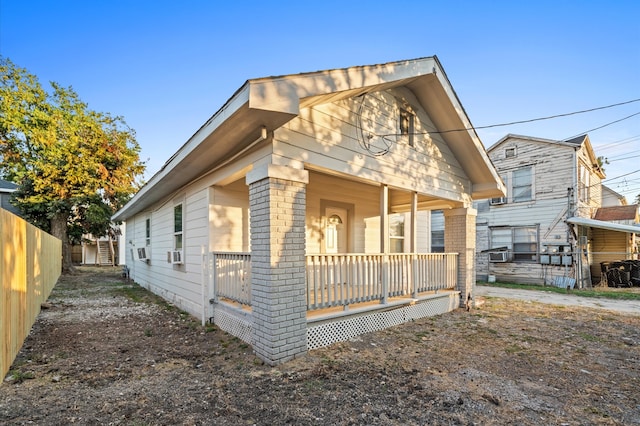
point(365, 235)
point(229, 218)
point(607, 246)
point(335, 136)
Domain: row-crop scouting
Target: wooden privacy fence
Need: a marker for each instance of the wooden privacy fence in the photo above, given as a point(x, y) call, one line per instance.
point(30, 265)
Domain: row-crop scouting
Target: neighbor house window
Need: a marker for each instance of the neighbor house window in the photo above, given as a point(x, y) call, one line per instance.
point(407, 125)
point(522, 184)
point(521, 241)
point(177, 227)
point(147, 231)
point(584, 180)
point(510, 152)
point(396, 233)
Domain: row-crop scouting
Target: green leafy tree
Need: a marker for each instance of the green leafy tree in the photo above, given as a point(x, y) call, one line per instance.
point(75, 167)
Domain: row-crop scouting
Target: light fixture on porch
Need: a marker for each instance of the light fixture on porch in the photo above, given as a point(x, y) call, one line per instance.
point(335, 220)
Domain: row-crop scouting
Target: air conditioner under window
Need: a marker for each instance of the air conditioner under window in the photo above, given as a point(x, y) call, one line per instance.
point(498, 201)
point(174, 257)
point(498, 256)
point(142, 254)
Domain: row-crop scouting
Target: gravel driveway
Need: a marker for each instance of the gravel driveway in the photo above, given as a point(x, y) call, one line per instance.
point(623, 306)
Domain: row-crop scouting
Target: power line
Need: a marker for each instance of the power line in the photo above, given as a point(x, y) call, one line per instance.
point(533, 120)
point(604, 125)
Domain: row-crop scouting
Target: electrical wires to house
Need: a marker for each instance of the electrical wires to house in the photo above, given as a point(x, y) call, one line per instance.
point(367, 138)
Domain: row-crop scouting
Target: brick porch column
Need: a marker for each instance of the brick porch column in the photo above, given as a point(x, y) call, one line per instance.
point(277, 205)
point(460, 237)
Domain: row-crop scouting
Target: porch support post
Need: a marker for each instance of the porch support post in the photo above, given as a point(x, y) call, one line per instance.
point(384, 241)
point(460, 237)
point(414, 243)
point(277, 203)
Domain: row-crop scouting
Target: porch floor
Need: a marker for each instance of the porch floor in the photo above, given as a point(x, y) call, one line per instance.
point(338, 311)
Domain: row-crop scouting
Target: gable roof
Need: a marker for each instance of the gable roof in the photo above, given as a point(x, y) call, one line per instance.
point(574, 143)
point(6, 186)
point(272, 101)
point(622, 199)
point(629, 212)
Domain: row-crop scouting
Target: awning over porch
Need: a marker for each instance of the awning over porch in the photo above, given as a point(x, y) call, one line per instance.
point(600, 224)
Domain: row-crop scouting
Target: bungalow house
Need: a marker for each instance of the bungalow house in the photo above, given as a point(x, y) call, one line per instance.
point(298, 214)
point(550, 228)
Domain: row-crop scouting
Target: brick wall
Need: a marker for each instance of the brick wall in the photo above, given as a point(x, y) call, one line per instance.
point(277, 209)
point(460, 237)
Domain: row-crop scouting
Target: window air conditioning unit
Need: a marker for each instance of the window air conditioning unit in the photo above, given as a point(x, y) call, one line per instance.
point(498, 201)
point(498, 256)
point(142, 254)
point(174, 257)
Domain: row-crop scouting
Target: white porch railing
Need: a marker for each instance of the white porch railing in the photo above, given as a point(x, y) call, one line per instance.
point(231, 276)
point(344, 279)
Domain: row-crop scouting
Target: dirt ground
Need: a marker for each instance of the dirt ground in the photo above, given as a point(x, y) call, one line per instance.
point(106, 352)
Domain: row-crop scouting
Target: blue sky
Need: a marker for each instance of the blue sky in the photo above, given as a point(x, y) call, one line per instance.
point(167, 66)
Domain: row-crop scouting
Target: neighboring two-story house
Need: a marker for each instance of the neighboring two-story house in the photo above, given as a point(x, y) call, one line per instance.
point(545, 230)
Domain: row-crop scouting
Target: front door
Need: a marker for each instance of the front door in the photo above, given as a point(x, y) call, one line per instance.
point(335, 233)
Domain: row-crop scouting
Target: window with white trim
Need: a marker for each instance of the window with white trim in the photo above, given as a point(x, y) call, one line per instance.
point(584, 183)
point(147, 232)
point(522, 184)
point(178, 226)
point(521, 241)
point(396, 233)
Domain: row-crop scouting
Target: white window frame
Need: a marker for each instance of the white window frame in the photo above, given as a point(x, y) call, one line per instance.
point(515, 190)
point(147, 232)
point(396, 234)
point(509, 239)
point(584, 183)
point(178, 234)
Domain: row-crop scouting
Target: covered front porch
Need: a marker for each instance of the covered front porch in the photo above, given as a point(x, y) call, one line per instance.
point(342, 257)
point(346, 294)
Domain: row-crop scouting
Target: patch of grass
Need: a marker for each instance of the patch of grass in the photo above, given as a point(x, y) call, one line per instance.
point(512, 349)
point(589, 337)
point(620, 294)
point(17, 376)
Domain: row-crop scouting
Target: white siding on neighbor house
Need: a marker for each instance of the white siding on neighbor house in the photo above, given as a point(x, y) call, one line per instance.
point(554, 169)
point(333, 137)
point(593, 184)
